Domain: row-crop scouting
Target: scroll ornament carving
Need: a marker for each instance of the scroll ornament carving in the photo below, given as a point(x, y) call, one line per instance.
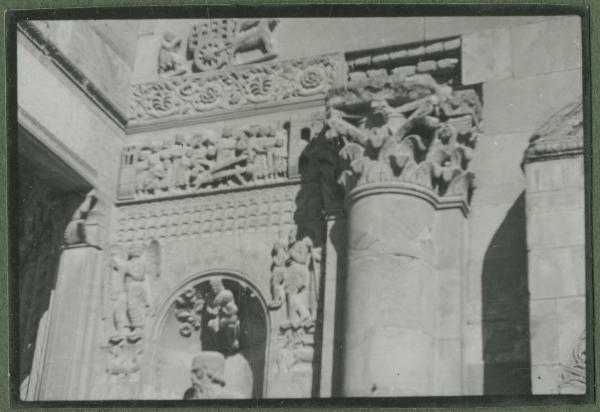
point(573, 376)
point(209, 160)
point(414, 130)
point(220, 310)
point(235, 88)
point(294, 284)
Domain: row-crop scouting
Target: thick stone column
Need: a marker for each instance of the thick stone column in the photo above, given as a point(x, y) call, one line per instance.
point(556, 242)
point(74, 309)
point(405, 145)
point(390, 308)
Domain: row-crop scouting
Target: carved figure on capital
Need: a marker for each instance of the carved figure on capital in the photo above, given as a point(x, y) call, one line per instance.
point(427, 140)
point(130, 294)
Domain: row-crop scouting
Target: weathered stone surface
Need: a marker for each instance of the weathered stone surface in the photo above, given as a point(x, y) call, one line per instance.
point(557, 272)
point(438, 27)
point(556, 45)
point(556, 229)
point(557, 175)
point(486, 55)
point(522, 104)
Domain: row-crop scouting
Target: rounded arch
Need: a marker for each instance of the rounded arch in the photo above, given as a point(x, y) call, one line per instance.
point(151, 374)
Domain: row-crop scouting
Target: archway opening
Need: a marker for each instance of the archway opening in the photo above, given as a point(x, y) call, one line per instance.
point(221, 313)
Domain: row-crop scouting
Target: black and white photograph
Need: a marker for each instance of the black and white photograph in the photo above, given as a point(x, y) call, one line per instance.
point(273, 207)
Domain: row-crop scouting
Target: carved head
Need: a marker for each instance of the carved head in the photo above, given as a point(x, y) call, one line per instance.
point(216, 284)
point(208, 368)
point(293, 233)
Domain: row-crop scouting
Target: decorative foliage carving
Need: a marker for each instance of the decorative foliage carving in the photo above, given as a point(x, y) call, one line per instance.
point(207, 160)
point(573, 377)
point(131, 300)
point(409, 129)
point(294, 282)
point(235, 88)
point(211, 311)
point(233, 212)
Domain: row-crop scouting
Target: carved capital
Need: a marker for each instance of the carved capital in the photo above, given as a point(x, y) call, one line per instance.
point(406, 129)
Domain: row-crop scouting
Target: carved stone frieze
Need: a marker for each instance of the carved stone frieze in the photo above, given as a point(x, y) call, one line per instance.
point(408, 129)
point(235, 88)
point(204, 161)
point(561, 136)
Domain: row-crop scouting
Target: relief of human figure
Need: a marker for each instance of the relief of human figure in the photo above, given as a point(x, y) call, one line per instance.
point(280, 154)
point(223, 317)
point(131, 294)
point(293, 274)
point(170, 61)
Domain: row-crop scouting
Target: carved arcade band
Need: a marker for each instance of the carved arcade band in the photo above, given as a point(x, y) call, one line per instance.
point(206, 160)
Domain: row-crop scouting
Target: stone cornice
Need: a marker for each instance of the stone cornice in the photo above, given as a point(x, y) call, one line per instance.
point(561, 136)
point(66, 66)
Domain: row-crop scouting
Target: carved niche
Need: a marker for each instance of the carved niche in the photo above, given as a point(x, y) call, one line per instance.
point(130, 305)
point(206, 160)
point(234, 88)
point(295, 274)
point(404, 128)
point(225, 319)
point(213, 44)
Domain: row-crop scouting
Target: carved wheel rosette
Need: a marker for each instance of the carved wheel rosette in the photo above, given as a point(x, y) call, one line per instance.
point(211, 54)
point(312, 80)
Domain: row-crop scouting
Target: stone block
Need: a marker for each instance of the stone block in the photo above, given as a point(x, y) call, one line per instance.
point(438, 27)
point(472, 293)
point(559, 174)
point(473, 379)
point(523, 104)
point(497, 168)
point(472, 344)
point(448, 304)
point(544, 332)
point(497, 230)
point(556, 228)
point(555, 200)
point(544, 379)
point(571, 324)
point(486, 56)
point(448, 367)
point(556, 272)
point(546, 46)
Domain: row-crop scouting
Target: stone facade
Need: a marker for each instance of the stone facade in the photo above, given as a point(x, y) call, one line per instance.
point(260, 221)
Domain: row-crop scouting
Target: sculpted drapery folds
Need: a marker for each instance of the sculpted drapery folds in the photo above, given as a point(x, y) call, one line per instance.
point(131, 300)
point(408, 129)
point(294, 283)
